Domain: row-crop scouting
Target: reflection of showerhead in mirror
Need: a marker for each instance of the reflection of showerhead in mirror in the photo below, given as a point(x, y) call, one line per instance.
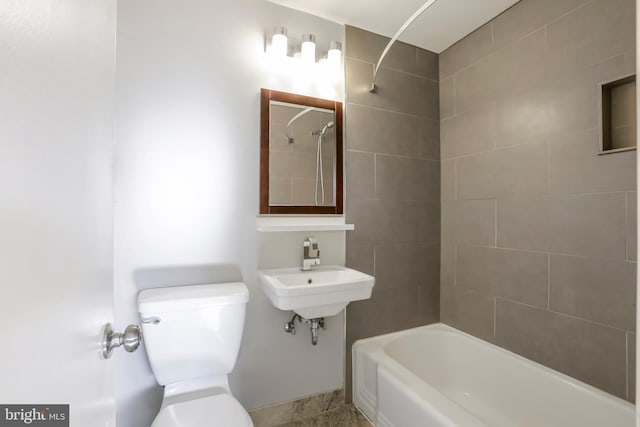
point(323, 130)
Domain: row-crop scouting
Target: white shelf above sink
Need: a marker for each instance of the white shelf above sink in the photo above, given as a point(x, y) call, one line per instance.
point(280, 228)
point(274, 224)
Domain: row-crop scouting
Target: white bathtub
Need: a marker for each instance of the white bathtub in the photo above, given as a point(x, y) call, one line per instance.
point(437, 376)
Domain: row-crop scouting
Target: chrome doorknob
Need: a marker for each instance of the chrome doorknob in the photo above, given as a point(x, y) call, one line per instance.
point(130, 340)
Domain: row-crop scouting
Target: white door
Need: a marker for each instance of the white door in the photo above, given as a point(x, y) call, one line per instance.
point(57, 60)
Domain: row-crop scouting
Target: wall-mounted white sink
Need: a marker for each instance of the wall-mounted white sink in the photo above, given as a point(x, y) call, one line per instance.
point(320, 292)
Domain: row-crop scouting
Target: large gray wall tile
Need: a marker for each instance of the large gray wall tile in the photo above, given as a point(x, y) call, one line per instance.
point(575, 224)
point(512, 274)
point(592, 33)
point(406, 265)
point(386, 311)
point(379, 131)
point(592, 353)
point(399, 178)
point(469, 311)
point(511, 172)
point(383, 221)
point(594, 289)
point(516, 67)
point(576, 167)
point(523, 223)
point(466, 51)
point(588, 224)
point(367, 46)
point(397, 91)
point(471, 132)
point(358, 78)
point(360, 175)
point(361, 258)
point(469, 221)
point(526, 16)
point(523, 116)
point(573, 96)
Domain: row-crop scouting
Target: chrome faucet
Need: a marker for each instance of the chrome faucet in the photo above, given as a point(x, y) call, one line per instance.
point(310, 253)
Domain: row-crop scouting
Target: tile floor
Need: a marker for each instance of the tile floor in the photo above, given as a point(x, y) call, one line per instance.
point(344, 416)
point(319, 410)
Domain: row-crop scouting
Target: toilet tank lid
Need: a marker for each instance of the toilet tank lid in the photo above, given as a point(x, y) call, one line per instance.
point(180, 298)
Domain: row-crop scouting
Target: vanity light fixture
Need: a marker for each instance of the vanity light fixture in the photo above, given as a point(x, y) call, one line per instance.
point(279, 42)
point(279, 48)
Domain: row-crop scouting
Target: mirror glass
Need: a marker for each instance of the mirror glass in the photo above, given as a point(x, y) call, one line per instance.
point(301, 155)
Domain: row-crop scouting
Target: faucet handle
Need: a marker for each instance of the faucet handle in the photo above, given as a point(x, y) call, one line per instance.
point(311, 247)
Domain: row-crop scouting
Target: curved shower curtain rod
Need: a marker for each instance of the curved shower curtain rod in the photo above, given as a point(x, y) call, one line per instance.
point(374, 88)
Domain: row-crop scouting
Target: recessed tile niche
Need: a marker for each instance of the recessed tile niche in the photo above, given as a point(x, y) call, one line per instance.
point(618, 115)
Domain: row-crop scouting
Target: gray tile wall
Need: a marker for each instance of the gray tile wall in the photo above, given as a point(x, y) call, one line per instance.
point(392, 185)
point(538, 249)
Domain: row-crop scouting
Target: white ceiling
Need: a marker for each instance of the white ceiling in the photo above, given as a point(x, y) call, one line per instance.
point(443, 24)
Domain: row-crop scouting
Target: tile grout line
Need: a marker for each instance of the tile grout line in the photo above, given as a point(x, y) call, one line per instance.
point(493, 125)
point(415, 116)
point(567, 315)
point(455, 179)
point(495, 222)
point(548, 281)
point(537, 251)
point(493, 50)
point(495, 319)
point(455, 101)
point(493, 36)
point(397, 70)
point(626, 226)
point(548, 167)
point(626, 365)
point(455, 265)
point(375, 174)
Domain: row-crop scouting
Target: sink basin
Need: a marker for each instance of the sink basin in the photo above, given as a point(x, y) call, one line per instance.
point(320, 292)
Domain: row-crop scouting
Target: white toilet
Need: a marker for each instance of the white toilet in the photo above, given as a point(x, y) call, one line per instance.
point(192, 335)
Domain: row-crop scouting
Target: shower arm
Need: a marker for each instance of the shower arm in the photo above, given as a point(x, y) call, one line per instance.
point(374, 88)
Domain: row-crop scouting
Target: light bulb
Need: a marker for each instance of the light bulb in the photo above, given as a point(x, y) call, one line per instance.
point(308, 48)
point(279, 42)
point(335, 54)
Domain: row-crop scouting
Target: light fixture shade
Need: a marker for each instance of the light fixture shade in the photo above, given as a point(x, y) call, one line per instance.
point(334, 55)
point(279, 42)
point(308, 48)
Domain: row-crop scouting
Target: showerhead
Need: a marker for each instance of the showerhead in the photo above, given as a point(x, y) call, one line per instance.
point(323, 130)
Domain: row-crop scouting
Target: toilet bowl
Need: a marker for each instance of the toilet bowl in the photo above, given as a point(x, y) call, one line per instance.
point(192, 335)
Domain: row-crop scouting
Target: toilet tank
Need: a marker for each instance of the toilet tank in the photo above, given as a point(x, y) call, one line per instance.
point(192, 331)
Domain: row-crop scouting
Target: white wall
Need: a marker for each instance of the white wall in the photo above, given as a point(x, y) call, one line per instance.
point(57, 71)
point(188, 79)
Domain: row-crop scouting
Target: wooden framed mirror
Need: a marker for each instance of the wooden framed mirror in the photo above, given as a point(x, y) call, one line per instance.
point(301, 155)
